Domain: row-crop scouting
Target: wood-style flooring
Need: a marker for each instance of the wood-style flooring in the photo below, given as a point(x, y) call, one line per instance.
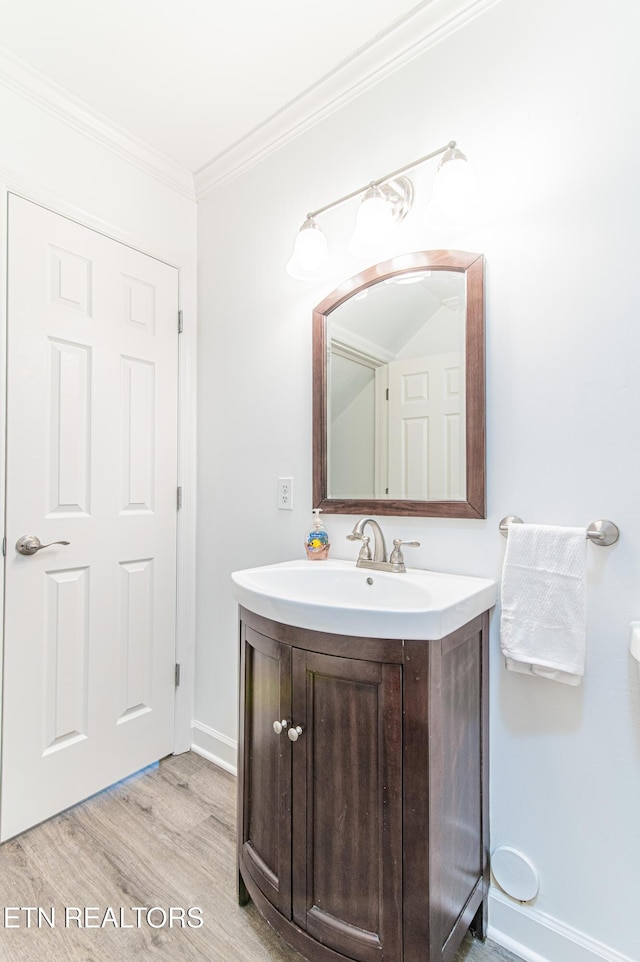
point(163, 839)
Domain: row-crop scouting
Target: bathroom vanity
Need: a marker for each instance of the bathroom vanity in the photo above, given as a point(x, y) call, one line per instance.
point(363, 735)
point(363, 788)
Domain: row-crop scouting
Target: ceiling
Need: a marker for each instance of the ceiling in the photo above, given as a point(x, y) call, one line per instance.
point(196, 78)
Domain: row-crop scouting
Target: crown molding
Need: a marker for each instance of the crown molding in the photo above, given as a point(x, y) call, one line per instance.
point(31, 85)
point(403, 41)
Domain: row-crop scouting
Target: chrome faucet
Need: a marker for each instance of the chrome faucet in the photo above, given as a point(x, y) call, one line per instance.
point(379, 547)
point(379, 561)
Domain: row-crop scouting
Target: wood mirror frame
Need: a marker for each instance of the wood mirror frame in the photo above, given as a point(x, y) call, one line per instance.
point(472, 266)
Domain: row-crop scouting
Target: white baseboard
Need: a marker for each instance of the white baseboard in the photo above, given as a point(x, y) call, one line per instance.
point(214, 746)
point(537, 937)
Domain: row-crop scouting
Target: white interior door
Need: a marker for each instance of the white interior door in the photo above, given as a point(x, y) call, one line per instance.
point(89, 683)
point(427, 446)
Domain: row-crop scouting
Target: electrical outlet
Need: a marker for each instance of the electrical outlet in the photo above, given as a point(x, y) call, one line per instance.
point(285, 493)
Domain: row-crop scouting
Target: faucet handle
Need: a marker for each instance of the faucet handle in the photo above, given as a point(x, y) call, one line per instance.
point(365, 550)
point(397, 558)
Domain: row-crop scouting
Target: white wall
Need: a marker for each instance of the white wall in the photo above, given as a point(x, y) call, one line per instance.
point(541, 97)
point(351, 437)
point(42, 155)
point(443, 333)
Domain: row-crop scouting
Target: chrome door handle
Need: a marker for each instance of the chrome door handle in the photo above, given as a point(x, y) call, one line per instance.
point(279, 726)
point(294, 733)
point(30, 543)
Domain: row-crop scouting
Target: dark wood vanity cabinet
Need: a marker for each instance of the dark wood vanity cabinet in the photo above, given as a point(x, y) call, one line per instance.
point(366, 837)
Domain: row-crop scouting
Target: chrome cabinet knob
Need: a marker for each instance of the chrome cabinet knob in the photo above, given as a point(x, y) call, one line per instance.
point(30, 544)
point(279, 726)
point(294, 733)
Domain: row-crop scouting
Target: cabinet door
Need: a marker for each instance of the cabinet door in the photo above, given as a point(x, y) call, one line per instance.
point(347, 818)
point(265, 767)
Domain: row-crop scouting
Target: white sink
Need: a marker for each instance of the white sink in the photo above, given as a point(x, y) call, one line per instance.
point(336, 596)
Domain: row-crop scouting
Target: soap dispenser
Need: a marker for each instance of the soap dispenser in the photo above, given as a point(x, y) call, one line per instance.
point(317, 542)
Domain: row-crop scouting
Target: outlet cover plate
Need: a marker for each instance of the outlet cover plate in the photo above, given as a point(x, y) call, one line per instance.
point(285, 493)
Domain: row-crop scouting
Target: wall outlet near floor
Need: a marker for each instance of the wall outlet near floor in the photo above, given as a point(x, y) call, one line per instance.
point(285, 493)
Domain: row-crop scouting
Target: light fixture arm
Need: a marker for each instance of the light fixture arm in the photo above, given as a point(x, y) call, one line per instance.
point(383, 180)
point(385, 202)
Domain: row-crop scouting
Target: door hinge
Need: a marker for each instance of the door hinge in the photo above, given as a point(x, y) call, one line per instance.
point(177, 675)
point(4, 547)
point(387, 394)
point(180, 322)
point(179, 497)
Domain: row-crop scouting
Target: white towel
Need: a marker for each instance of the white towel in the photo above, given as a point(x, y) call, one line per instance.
point(543, 624)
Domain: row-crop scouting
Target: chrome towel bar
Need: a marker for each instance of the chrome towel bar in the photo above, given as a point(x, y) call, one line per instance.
point(601, 532)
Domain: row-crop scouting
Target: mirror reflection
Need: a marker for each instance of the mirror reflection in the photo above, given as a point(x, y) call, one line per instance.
point(398, 389)
point(396, 406)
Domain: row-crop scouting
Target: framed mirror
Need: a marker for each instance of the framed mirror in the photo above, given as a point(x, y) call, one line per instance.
point(399, 389)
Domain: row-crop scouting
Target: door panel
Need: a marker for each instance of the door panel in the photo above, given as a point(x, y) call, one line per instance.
point(427, 447)
point(92, 460)
point(350, 712)
point(266, 816)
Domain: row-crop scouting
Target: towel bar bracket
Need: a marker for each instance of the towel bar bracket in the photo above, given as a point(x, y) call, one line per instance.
point(601, 532)
point(510, 519)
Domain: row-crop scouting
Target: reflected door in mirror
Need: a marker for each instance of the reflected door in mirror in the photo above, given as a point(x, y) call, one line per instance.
point(426, 436)
point(396, 399)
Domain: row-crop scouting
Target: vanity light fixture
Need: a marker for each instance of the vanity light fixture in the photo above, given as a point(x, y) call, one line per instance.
point(384, 203)
point(310, 251)
point(454, 183)
point(381, 208)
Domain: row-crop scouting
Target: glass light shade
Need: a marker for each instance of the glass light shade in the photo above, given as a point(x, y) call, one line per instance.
point(310, 251)
point(454, 184)
point(374, 223)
